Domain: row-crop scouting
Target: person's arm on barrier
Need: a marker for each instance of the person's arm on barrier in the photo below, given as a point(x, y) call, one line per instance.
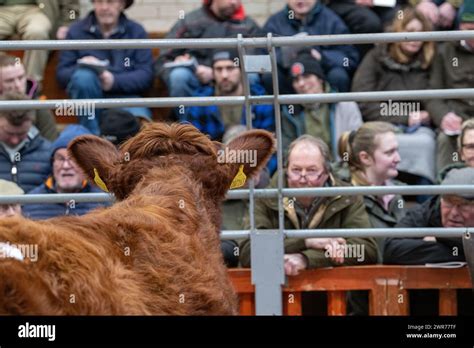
point(362, 249)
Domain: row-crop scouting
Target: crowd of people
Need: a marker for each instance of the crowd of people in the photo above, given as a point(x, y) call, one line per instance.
point(324, 144)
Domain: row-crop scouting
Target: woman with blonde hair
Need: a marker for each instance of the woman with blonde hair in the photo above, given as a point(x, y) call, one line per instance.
point(403, 66)
point(371, 156)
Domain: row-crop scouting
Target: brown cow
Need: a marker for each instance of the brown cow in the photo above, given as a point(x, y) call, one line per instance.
point(156, 251)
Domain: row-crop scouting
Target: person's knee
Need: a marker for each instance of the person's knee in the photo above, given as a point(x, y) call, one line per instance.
point(38, 28)
point(83, 78)
point(181, 76)
point(339, 78)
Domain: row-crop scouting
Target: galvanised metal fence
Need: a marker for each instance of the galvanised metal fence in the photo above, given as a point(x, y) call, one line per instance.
point(266, 245)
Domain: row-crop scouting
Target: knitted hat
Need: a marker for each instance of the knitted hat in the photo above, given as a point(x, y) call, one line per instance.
point(463, 176)
point(9, 188)
point(305, 63)
point(225, 54)
point(67, 135)
point(467, 12)
point(118, 125)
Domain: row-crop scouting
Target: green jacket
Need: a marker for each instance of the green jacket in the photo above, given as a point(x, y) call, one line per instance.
point(337, 212)
point(378, 216)
point(453, 67)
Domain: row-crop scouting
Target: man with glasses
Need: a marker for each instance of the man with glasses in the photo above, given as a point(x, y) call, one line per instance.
point(96, 73)
point(451, 210)
point(67, 177)
point(24, 153)
point(308, 166)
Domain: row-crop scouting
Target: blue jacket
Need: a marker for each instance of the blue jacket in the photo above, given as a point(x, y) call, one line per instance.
point(320, 21)
point(46, 211)
point(208, 119)
point(32, 165)
point(132, 68)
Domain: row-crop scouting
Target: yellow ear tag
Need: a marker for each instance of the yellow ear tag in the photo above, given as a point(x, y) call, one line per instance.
point(239, 179)
point(99, 182)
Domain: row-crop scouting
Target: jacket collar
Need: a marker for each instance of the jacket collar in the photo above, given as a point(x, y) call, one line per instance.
point(308, 19)
point(92, 25)
point(51, 186)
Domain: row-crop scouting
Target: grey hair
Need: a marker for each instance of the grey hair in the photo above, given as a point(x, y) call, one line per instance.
point(316, 141)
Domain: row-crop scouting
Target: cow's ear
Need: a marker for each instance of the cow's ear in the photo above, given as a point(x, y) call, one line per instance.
point(96, 156)
point(250, 151)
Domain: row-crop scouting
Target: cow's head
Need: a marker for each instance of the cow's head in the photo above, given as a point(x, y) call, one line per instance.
point(161, 150)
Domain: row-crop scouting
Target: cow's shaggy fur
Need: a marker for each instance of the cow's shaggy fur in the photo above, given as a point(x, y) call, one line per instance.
point(155, 251)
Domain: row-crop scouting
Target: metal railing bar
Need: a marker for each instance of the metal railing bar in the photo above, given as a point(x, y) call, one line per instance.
point(458, 93)
point(260, 42)
point(260, 193)
point(360, 232)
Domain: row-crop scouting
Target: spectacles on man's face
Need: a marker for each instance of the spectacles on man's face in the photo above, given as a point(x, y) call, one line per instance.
point(464, 207)
point(310, 174)
point(60, 160)
point(468, 147)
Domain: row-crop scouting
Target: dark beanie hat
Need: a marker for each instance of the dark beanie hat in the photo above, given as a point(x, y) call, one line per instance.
point(224, 54)
point(467, 12)
point(69, 133)
point(118, 125)
point(305, 63)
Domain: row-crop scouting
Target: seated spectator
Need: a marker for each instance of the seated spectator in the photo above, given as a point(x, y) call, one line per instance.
point(13, 79)
point(214, 19)
point(362, 16)
point(215, 120)
point(465, 148)
point(234, 210)
point(451, 210)
point(313, 18)
point(8, 188)
point(466, 142)
point(441, 14)
point(371, 155)
point(325, 121)
point(308, 166)
point(127, 72)
point(24, 153)
point(403, 66)
point(67, 177)
point(453, 67)
point(118, 125)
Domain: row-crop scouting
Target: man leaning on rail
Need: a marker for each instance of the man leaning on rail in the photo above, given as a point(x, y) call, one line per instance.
point(308, 166)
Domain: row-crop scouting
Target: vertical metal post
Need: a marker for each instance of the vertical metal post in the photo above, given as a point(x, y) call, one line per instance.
point(266, 247)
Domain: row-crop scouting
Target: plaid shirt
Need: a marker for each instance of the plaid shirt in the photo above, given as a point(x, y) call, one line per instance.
point(209, 121)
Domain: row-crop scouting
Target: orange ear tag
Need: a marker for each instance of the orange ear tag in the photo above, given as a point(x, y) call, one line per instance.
point(239, 179)
point(99, 182)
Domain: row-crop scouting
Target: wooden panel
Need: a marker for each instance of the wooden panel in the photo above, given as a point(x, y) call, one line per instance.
point(292, 303)
point(397, 302)
point(247, 304)
point(388, 286)
point(337, 303)
point(378, 298)
point(448, 302)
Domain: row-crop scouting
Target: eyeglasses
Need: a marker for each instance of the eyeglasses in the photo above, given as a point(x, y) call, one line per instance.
point(60, 160)
point(310, 174)
point(468, 147)
point(464, 208)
